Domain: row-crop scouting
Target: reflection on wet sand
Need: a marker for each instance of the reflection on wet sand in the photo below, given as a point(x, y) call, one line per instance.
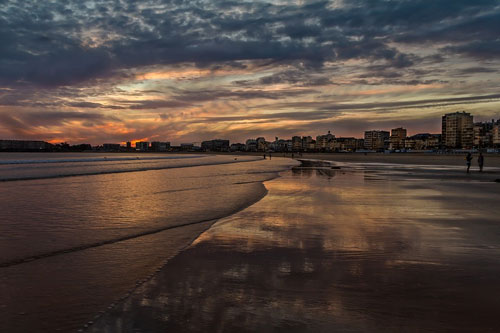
point(330, 250)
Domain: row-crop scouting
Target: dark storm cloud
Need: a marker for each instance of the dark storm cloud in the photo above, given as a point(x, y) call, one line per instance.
point(27, 124)
point(155, 104)
point(330, 105)
point(294, 77)
point(65, 43)
point(51, 118)
point(215, 94)
point(474, 70)
point(89, 105)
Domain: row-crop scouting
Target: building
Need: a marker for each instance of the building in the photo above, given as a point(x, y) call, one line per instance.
point(160, 146)
point(308, 144)
point(142, 145)
point(396, 140)
point(111, 146)
point(251, 145)
point(296, 143)
point(496, 135)
point(346, 144)
point(325, 142)
point(457, 130)
point(187, 146)
point(281, 145)
point(129, 145)
point(215, 145)
point(484, 133)
point(423, 141)
point(237, 147)
point(376, 140)
point(24, 145)
point(262, 144)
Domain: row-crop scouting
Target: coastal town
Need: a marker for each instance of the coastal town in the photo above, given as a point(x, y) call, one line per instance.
point(459, 134)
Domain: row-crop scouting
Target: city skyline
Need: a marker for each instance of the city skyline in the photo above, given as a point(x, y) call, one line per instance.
point(105, 71)
point(458, 131)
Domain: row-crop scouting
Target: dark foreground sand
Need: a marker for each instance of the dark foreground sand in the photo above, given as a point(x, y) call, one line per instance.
point(355, 249)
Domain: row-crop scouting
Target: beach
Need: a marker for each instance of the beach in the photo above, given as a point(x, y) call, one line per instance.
point(491, 160)
point(356, 247)
point(79, 232)
point(240, 243)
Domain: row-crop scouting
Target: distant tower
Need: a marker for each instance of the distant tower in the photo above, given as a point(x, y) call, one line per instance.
point(376, 140)
point(458, 130)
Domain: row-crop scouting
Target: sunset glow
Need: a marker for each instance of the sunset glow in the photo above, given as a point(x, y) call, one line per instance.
point(196, 70)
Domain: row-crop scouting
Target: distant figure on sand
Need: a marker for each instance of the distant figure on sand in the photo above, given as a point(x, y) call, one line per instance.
point(468, 160)
point(269, 156)
point(264, 156)
point(480, 162)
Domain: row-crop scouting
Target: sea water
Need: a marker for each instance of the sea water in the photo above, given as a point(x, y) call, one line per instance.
point(79, 231)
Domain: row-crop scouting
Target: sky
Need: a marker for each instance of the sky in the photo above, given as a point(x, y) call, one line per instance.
point(187, 71)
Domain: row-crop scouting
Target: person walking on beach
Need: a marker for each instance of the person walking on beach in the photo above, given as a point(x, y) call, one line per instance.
point(468, 160)
point(480, 162)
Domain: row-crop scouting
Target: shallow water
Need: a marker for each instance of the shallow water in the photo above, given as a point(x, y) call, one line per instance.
point(20, 166)
point(71, 246)
point(335, 250)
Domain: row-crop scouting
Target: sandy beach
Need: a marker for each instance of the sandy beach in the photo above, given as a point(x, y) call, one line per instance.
point(360, 248)
point(491, 160)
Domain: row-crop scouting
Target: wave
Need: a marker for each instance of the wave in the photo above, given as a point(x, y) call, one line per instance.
point(82, 247)
point(97, 244)
point(104, 172)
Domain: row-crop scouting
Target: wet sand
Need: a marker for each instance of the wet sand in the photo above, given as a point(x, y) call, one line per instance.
point(490, 160)
point(350, 249)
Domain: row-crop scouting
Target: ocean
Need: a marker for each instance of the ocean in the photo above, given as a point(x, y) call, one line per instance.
point(79, 232)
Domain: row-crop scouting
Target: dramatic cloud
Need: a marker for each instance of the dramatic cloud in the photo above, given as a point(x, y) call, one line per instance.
point(109, 70)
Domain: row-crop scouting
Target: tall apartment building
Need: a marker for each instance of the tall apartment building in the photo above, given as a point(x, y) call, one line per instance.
point(458, 130)
point(398, 135)
point(296, 143)
point(308, 143)
point(376, 140)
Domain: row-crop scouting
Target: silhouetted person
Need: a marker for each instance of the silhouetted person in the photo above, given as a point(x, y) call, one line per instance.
point(264, 156)
point(269, 156)
point(468, 160)
point(480, 162)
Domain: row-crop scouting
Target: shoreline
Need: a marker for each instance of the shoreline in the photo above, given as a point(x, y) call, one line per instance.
point(436, 172)
point(491, 160)
point(112, 269)
point(333, 249)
